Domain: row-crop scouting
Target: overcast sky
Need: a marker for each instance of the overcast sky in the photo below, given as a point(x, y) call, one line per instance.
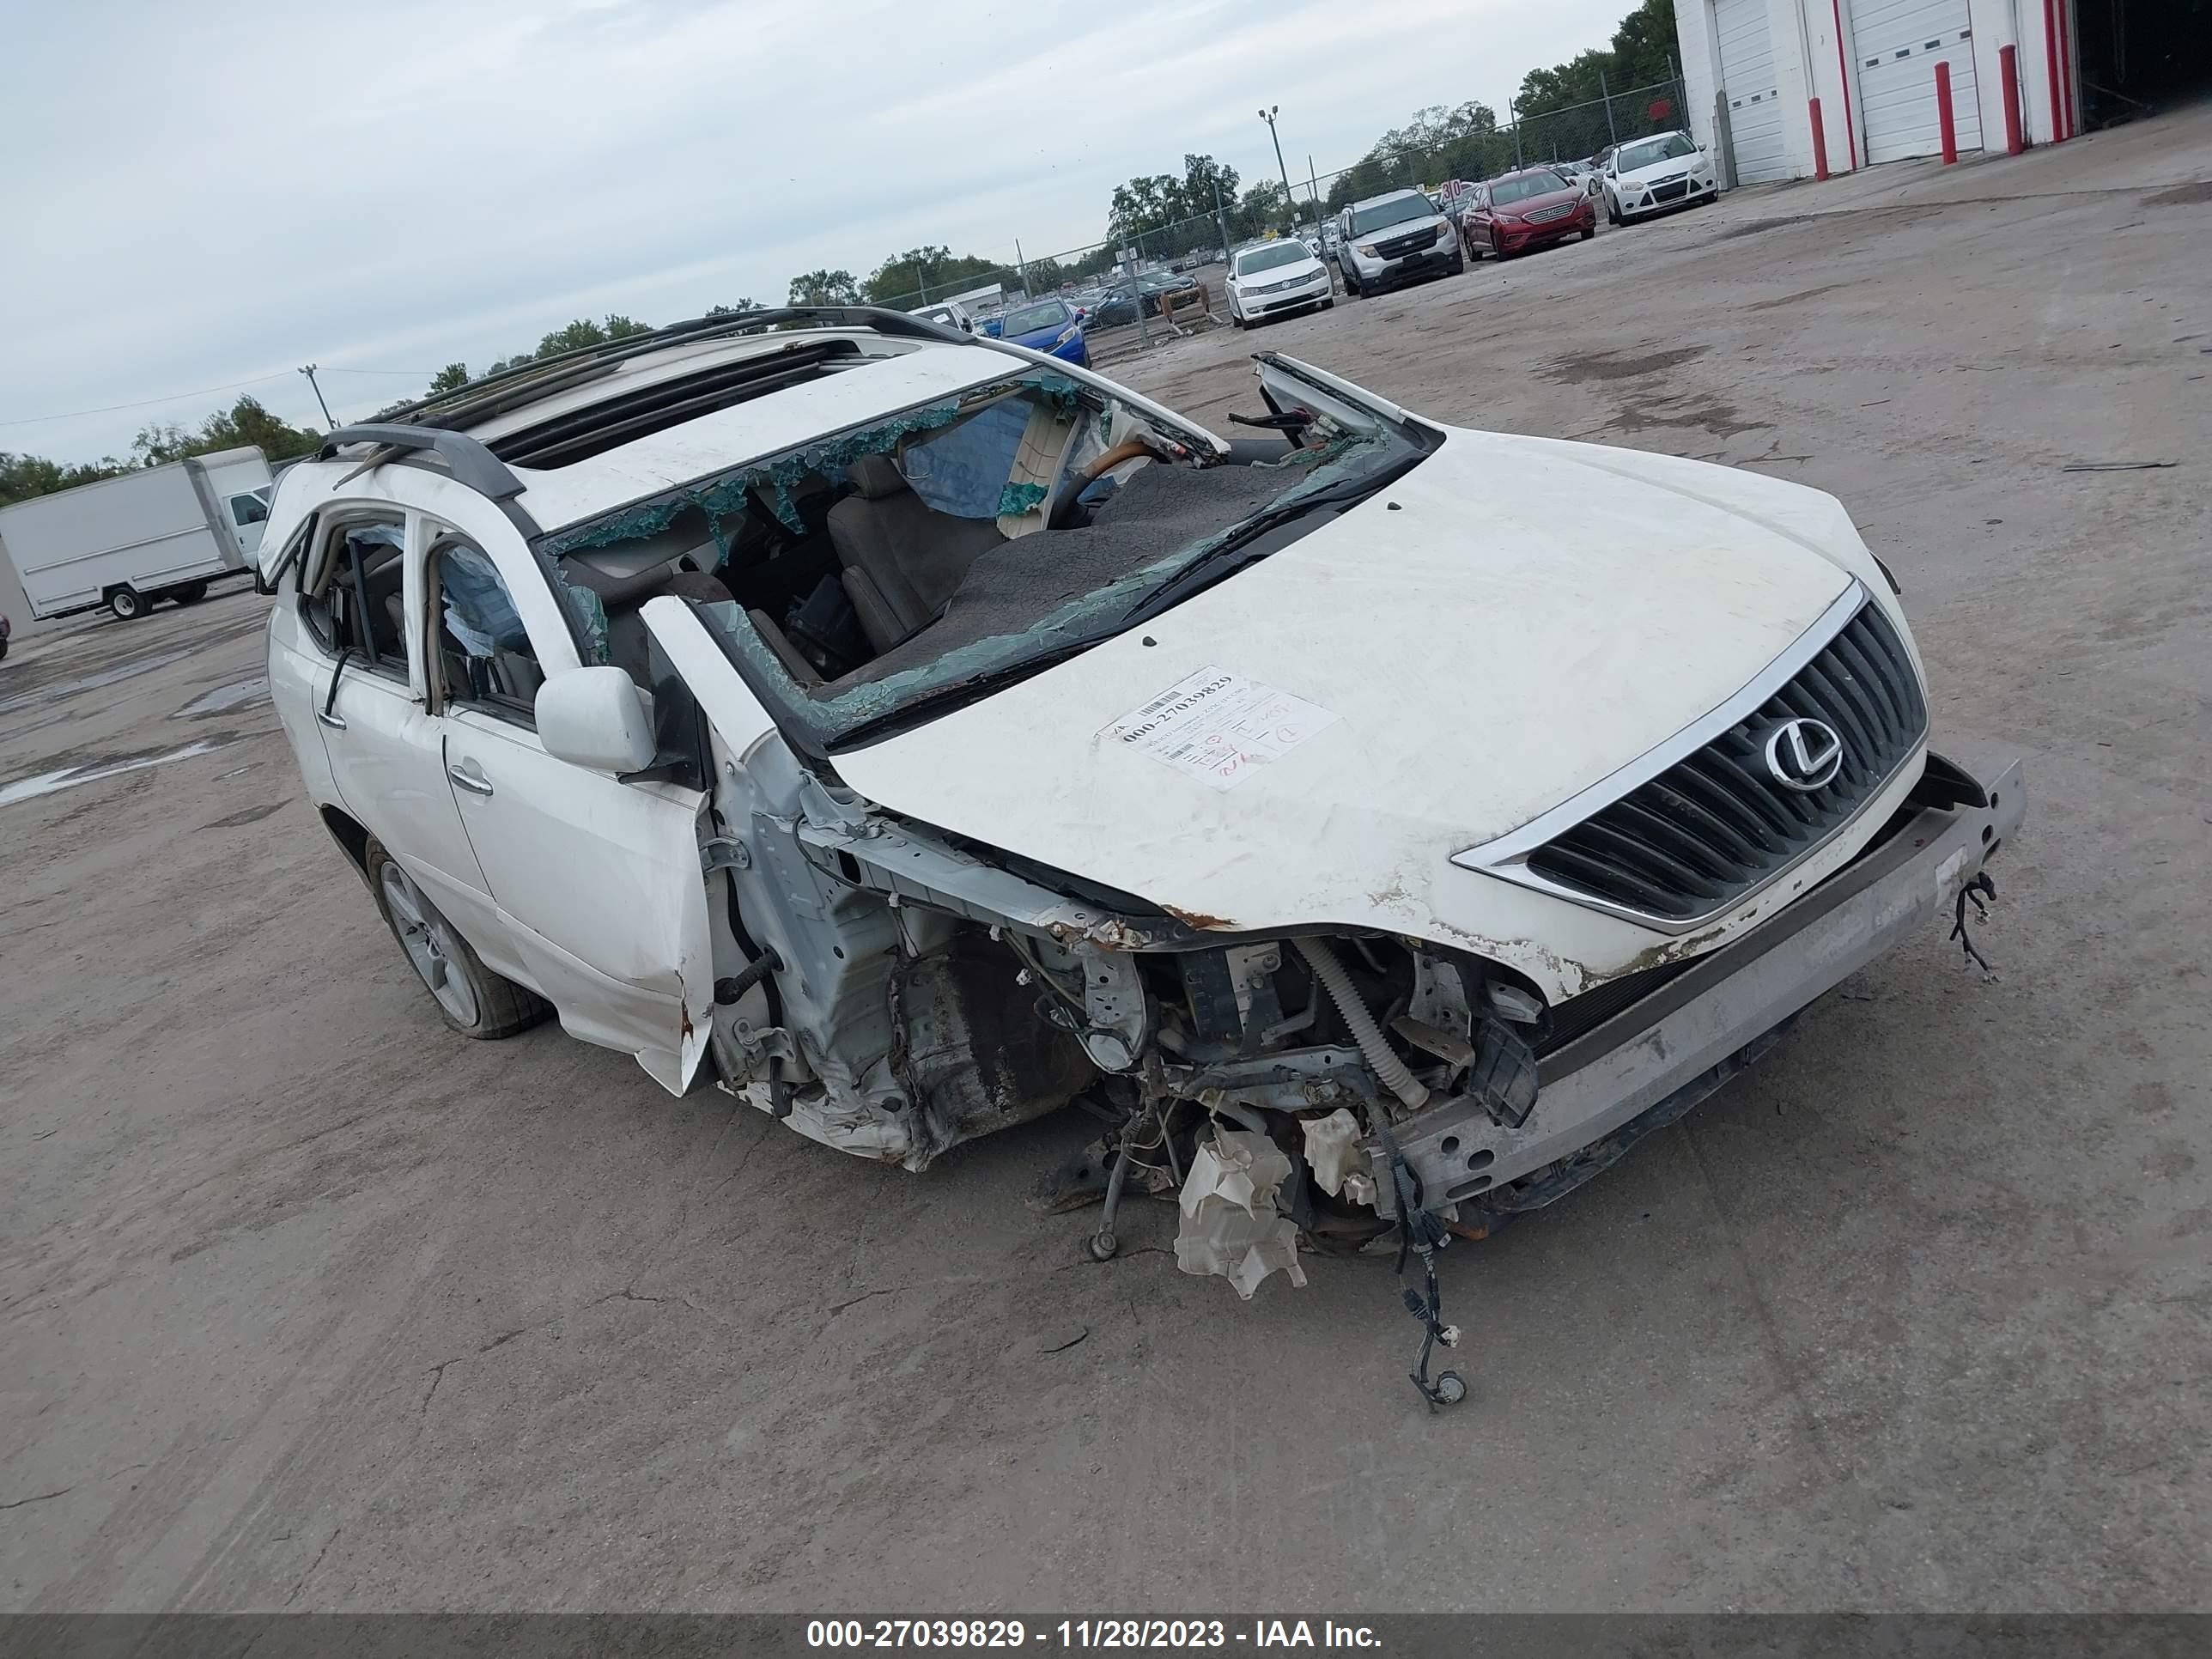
point(197, 195)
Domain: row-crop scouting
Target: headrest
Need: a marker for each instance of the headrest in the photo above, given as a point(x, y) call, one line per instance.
point(876, 476)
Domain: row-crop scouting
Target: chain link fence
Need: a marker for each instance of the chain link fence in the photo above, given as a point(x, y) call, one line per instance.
point(1581, 130)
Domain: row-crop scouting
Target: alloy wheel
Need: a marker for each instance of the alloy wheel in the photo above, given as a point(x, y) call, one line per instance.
point(430, 944)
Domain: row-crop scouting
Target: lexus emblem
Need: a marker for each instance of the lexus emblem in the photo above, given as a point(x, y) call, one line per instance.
point(1804, 755)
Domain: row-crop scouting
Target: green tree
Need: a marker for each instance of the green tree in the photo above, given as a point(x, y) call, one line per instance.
point(22, 477)
point(452, 378)
point(745, 302)
point(825, 287)
point(1145, 211)
point(921, 274)
point(1262, 208)
point(244, 422)
point(582, 332)
point(1561, 106)
point(1201, 174)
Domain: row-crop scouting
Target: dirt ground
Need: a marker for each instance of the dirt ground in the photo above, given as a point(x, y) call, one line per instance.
point(305, 1302)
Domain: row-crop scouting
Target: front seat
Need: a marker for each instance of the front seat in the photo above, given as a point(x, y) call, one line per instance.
point(901, 558)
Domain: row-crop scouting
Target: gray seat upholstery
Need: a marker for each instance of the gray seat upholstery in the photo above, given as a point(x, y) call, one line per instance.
point(901, 558)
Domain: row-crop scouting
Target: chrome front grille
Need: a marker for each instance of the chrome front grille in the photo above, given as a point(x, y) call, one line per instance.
point(1708, 829)
point(1546, 216)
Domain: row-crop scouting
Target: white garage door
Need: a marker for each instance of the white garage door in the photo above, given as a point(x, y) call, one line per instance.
point(1754, 101)
point(1896, 45)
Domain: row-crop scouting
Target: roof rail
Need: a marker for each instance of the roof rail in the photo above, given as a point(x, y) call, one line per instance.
point(538, 375)
point(469, 461)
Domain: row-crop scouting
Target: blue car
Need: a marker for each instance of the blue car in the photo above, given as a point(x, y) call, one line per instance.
point(1050, 325)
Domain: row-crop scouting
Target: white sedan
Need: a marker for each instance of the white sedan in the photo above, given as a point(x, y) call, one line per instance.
point(1653, 174)
point(1272, 279)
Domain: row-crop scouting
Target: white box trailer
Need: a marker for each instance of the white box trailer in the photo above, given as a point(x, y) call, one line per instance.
point(124, 542)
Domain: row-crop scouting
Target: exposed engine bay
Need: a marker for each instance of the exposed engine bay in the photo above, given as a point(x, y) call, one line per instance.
point(928, 995)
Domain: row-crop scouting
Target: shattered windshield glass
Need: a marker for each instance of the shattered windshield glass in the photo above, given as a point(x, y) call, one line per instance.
point(937, 552)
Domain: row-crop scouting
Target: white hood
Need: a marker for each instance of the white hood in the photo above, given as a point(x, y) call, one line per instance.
point(1511, 623)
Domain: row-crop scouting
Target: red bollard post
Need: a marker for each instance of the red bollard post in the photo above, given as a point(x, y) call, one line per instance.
point(2009, 66)
point(1943, 118)
point(1820, 141)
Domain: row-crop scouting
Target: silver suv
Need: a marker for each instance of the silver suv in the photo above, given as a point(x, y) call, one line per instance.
point(1387, 240)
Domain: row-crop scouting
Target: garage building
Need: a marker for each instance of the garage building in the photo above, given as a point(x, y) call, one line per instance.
point(1787, 87)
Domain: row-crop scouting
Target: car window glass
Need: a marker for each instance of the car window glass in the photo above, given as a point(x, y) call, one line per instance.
point(360, 606)
point(1527, 185)
point(1395, 211)
point(248, 509)
point(1670, 148)
point(485, 653)
point(295, 552)
point(1272, 256)
point(1047, 314)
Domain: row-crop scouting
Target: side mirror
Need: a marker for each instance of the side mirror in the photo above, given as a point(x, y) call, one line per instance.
point(596, 719)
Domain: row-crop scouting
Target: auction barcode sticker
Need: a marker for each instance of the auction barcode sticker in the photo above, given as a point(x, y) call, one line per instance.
point(1219, 726)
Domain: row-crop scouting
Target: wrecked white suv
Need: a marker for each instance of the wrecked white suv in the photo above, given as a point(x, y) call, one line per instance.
point(916, 735)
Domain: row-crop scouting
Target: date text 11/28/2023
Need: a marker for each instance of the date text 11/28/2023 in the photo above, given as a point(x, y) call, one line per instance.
point(1087, 1634)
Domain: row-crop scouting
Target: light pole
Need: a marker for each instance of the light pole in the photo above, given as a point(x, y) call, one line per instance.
point(1289, 203)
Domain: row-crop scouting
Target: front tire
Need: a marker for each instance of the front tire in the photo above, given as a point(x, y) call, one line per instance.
point(470, 998)
point(1611, 209)
point(1586, 234)
point(127, 604)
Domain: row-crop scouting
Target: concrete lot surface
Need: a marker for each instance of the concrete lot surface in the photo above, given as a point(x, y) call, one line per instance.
point(306, 1303)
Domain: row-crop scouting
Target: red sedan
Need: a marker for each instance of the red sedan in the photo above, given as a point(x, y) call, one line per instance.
point(1526, 210)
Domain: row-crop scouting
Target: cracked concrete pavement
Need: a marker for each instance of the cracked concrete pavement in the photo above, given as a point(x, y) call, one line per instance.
point(305, 1302)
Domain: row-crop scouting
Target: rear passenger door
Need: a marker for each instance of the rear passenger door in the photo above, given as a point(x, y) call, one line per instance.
point(385, 754)
point(597, 883)
point(1475, 223)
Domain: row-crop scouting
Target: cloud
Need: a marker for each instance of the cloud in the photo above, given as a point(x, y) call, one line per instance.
point(206, 195)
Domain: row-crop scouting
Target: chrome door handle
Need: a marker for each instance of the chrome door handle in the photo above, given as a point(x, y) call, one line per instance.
point(474, 782)
point(336, 722)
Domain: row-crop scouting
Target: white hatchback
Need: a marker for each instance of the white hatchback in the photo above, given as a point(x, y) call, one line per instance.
point(1651, 175)
point(1273, 279)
